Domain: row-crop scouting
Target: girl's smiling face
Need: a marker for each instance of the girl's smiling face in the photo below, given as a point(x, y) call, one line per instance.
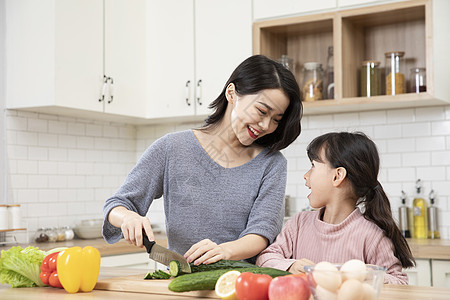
point(319, 179)
point(254, 116)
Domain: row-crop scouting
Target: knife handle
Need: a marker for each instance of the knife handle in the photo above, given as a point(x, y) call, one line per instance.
point(147, 243)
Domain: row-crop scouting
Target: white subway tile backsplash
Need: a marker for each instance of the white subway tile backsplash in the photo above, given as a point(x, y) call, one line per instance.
point(440, 128)
point(47, 140)
point(398, 116)
point(76, 128)
point(430, 143)
point(416, 159)
point(57, 127)
point(76, 164)
point(37, 181)
point(387, 131)
point(433, 113)
point(37, 125)
point(373, 117)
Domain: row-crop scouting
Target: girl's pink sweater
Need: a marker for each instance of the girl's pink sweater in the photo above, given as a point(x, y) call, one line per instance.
point(306, 236)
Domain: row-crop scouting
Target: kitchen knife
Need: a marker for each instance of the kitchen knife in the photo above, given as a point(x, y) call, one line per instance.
point(164, 255)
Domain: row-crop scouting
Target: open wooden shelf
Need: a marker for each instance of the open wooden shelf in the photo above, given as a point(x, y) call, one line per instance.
point(357, 35)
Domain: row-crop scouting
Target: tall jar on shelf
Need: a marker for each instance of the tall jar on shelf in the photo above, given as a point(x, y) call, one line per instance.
point(395, 73)
point(312, 81)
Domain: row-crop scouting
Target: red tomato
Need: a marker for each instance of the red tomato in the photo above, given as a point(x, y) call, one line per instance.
point(251, 286)
point(44, 277)
point(289, 287)
point(54, 280)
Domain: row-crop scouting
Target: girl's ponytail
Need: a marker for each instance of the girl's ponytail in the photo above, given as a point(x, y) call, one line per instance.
point(378, 211)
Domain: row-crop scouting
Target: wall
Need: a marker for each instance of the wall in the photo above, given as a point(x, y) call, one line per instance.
point(61, 170)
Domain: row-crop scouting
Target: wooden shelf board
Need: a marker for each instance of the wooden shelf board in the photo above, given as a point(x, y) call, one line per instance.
point(373, 103)
point(15, 229)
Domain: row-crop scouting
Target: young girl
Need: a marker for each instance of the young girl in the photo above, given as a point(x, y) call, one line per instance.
point(223, 183)
point(342, 177)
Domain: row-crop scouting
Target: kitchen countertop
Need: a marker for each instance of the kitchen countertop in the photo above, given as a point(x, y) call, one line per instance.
point(121, 247)
point(430, 249)
point(388, 292)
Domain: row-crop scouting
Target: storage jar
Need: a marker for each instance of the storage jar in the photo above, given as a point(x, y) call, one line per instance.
point(312, 81)
point(417, 80)
point(395, 74)
point(370, 78)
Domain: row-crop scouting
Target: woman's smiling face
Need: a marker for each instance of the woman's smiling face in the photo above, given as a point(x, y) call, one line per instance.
point(254, 116)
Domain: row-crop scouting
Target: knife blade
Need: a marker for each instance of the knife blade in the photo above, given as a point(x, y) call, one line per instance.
point(163, 255)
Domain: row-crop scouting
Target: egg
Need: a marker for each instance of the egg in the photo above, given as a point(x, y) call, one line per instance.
point(351, 289)
point(369, 292)
point(354, 269)
point(327, 276)
point(324, 294)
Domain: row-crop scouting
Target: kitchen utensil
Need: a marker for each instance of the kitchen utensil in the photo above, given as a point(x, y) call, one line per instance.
point(403, 212)
point(164, 255)
point(433, 225)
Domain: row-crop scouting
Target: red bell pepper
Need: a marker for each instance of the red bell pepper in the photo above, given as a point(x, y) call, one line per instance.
point(49, 274)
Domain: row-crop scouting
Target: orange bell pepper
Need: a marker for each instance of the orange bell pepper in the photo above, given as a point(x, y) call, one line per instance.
point(78, 269)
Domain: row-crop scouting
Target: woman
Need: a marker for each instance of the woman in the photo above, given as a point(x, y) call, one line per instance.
point(223, 184)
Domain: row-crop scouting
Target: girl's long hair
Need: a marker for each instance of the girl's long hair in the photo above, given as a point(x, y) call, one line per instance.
point(358, 154)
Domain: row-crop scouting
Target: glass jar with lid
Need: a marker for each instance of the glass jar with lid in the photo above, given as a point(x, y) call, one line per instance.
point(41, 235)
point(312, 81)
point(395, 73)
point(370, 78)
point(287, 62)
point(417, 80)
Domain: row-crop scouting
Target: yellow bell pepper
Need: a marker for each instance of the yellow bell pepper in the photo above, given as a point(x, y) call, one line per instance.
point(78, 268)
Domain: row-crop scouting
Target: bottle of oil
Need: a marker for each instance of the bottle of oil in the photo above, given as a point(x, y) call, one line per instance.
point(433, 225)
point(420, 213)
point(403, 212)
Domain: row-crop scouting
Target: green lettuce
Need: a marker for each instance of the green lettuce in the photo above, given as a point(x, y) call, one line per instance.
point(21, 267)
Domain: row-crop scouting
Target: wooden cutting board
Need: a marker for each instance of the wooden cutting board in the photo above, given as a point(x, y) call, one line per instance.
point(137, 284)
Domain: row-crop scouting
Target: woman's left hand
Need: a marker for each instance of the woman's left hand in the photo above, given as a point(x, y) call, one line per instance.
point(205, 252)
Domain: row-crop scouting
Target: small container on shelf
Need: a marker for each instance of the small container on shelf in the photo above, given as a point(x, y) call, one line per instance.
point(14, 216)
point(312, 81)
point(417, 80)
point(370, 78)
point(69, 233)
point(52, 234)
point(41, 236)
point(287, 62)
point(61, 234)
point(395, 73)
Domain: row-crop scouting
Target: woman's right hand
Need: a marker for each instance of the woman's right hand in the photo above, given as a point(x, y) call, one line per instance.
point(131, 225)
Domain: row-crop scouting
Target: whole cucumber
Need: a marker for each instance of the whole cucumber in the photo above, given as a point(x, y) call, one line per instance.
point(207, 280)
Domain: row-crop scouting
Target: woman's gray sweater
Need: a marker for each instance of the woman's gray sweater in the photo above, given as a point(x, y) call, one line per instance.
point(202, 199)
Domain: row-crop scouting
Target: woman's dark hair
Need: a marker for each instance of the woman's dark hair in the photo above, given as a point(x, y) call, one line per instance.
point(253, 75)
point(358, 154)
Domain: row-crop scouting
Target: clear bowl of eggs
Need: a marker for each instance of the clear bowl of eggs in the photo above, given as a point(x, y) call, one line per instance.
point(353, 280)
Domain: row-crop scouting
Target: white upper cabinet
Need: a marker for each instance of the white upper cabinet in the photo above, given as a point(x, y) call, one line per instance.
point(170, 44)
point(54, 53)
point(194, 46)
point(270, 9)
point(56, 57)
point(223, 40)
point(125, 53)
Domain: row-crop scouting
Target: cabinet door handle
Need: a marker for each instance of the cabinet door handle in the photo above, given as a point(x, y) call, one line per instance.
point(105, 83)
point(188, 92)
point(199, 92)
point(111, 89)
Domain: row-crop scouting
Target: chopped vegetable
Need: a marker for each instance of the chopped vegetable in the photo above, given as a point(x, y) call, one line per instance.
point(78, 269)
point(158, 274)
point(21, 267)
point(175, 268)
